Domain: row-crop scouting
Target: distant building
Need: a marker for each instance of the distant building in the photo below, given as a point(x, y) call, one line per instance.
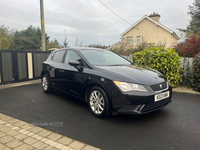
point(52, 49)
point(148, 29)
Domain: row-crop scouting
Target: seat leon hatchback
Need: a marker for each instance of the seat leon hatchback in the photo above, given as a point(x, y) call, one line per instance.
point(106, 81)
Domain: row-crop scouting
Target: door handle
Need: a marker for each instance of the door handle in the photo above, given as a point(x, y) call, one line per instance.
point(61, 70)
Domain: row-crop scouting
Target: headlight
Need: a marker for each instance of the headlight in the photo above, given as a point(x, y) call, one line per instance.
point(124, 86)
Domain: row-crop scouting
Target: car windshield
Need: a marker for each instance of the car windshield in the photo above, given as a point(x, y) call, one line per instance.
point(104, 58)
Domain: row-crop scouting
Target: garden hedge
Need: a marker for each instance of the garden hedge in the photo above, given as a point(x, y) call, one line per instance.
point(166, 61)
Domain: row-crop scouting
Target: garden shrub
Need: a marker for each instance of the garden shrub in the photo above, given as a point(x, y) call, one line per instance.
point(196, 73)
point(166, 61)
point(189, 47)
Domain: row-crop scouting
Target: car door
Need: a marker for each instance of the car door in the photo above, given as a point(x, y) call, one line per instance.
point(72, 77)
point(55, 68)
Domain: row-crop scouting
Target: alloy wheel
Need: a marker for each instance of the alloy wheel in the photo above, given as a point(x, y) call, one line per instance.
point(44, 83)
point(97, 103)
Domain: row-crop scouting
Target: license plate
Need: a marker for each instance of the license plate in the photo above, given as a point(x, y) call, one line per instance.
point(161, 96)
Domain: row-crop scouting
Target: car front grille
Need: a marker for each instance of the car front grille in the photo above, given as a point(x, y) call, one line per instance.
point(159, 87)
point(153, 105)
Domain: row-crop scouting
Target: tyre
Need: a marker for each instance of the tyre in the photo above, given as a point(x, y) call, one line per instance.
point(46, 85)
point(98, 102)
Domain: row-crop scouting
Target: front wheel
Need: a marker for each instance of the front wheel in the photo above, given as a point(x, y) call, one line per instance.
point(98, 102)
point(46, 85)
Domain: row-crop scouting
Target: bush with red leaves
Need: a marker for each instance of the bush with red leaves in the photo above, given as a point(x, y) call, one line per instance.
point(196, 73)
point(190, 47)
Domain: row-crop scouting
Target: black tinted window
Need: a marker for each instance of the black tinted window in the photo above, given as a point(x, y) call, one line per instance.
point(58, 56)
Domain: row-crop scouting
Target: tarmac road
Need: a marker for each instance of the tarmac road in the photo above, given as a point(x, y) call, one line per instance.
point(176, 126)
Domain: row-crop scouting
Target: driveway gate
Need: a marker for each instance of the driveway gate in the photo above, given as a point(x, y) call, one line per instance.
point(16, 65)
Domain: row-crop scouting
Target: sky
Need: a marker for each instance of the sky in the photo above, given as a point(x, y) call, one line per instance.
point(89, 20)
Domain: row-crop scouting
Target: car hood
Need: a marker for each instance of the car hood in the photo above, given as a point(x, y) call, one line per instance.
point(133, 74)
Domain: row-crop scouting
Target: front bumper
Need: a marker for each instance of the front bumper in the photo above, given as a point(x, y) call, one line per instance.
point(139, 102)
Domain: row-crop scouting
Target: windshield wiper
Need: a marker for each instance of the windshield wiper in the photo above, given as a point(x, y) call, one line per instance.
point(117, 65)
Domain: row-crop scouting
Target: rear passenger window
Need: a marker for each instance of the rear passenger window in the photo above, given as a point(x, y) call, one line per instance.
point(58, 56)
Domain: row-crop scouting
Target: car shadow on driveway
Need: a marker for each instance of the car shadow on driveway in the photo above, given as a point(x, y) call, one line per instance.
point(119, 118)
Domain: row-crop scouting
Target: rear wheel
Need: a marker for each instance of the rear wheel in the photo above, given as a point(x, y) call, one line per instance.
point(46, 85)
point(98, 102)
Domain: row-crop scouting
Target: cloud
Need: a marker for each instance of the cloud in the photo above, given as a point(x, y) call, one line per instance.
point(89, 20)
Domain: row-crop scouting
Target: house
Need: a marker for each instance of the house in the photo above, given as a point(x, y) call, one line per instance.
point(147, 29)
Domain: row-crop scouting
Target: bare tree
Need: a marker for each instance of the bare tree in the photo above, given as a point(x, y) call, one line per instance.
point(66, 42)
point(81, 43)
point(76, 43)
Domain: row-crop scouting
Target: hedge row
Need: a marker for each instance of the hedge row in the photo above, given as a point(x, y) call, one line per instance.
point(166, 61)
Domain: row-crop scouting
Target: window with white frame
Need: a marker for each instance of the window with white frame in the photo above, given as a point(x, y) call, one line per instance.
point(138, 40)
point(129, 40)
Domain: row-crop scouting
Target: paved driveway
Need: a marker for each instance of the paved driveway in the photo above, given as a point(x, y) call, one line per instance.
point(177, 126)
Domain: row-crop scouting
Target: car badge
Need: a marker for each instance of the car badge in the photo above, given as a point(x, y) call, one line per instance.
point(161, 86)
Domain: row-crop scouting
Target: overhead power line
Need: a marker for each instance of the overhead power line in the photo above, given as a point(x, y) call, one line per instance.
point(114, 12)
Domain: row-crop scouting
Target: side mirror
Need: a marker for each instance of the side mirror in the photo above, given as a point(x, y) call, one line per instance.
point(74, 63)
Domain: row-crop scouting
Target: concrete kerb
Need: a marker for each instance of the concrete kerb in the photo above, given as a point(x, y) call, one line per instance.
point(4, 86)
point(185, 90)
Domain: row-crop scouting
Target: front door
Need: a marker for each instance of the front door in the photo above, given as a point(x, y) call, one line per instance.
point(72, 78)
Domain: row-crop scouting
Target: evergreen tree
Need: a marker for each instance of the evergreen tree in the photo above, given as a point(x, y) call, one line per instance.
point(29, 39)
point(5, 37)
point(53, 44)
point(194, 13)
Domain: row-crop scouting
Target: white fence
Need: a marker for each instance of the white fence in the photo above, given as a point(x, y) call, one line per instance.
point(186, 64)
point(186, 61)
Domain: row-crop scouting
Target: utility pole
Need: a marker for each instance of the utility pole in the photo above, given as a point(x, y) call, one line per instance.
point(42, 25)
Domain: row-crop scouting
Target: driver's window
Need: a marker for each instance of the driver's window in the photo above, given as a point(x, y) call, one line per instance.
point(72, 56)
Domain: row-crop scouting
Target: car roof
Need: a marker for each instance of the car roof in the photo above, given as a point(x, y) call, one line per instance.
point(81, 48)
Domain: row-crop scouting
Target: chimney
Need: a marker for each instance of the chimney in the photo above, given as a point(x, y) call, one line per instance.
point(155, 17)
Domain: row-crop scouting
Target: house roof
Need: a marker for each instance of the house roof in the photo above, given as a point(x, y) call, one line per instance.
point(114, 45)
point(157, 23)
